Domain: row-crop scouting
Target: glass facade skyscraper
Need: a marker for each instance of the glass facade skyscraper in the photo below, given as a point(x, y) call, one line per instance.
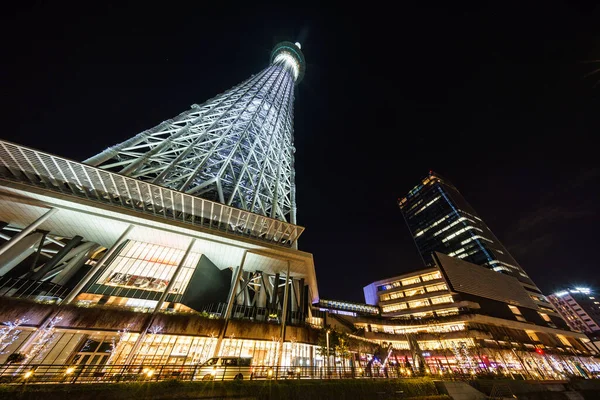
point(440, 219)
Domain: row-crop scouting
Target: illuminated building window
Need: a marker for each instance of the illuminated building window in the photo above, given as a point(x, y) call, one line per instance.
point(441, 300)
point(474, 237)
point(389, 286)
point(517, 313)
point(414, 292)
point(391, 296)
point(451, 225)
point(396, 295)
point(447, 312)
point(388, 329)
point(418, 303)
point(410, 281)
point(436, 288)
point(394, 307)
point(422, 314)
point(564, 340)
point(141, 304)
point(545, 317)
point(533, 336)
point(452, 254)
point(149, 267)
point(432, 276)
point(427, 205)
point(439, 221)
point(463, 230)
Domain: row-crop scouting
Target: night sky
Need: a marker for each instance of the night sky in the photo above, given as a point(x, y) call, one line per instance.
point(494, 98)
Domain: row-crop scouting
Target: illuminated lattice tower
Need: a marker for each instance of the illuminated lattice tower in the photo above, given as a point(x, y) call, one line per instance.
point(237, 148)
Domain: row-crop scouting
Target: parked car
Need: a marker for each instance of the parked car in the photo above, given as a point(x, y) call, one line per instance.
point(225, 368)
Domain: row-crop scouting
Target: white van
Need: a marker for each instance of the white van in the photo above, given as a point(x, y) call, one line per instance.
point(225, 368)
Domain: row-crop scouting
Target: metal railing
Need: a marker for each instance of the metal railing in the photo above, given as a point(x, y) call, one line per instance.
point(71, 374)
point(35, 168)
point(252, 313)
point(27, 288)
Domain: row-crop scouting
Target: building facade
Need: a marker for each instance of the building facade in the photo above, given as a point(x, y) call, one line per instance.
point(579, 307)
point(457, 317)
point(440, 219)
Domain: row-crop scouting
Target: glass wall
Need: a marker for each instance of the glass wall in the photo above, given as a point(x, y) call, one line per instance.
point(149, 267)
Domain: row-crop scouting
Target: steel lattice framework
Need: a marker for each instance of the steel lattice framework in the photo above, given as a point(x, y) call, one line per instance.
point(236, 148)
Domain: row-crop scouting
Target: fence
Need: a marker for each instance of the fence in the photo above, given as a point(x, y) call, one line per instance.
point(27, 288)
point(71, 374)
point(252, 313)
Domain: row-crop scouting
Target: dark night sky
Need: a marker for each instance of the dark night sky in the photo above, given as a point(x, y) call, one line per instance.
point(494, 98)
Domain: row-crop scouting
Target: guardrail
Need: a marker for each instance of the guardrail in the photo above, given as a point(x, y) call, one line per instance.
point(71, 374)
point(27, 288)
point(35, 168)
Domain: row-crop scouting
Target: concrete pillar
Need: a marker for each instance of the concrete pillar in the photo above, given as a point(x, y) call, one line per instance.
point(294, 295)
point(301, 298)
point(39, 250)
point(230, 300)
point(286, 293)
point(97, 267)
point(47, 267)
point(234, 287)
point(275, 292)
point(27, 230)
point(19, 252)
point(261, 301)
point(85, 250)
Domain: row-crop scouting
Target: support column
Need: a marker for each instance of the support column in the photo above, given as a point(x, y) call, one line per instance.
point(302, 299)
point(47, 267)
point(284, 312)
point(27, 230)
point(85, 251)
point(294, 295)
point(261, 301)
point(97, 267)
point(161, 301)
point(275, 292)
point(230, 301)
point(19, 252)
point(39, 250)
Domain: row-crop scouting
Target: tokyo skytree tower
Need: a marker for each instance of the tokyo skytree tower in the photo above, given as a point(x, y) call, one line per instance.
point(237, 148)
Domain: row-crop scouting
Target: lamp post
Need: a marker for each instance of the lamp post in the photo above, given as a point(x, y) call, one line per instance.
point(327, 353)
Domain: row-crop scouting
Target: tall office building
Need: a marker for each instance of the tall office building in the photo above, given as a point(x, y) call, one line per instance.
point(440, 219)
point(580, 307)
